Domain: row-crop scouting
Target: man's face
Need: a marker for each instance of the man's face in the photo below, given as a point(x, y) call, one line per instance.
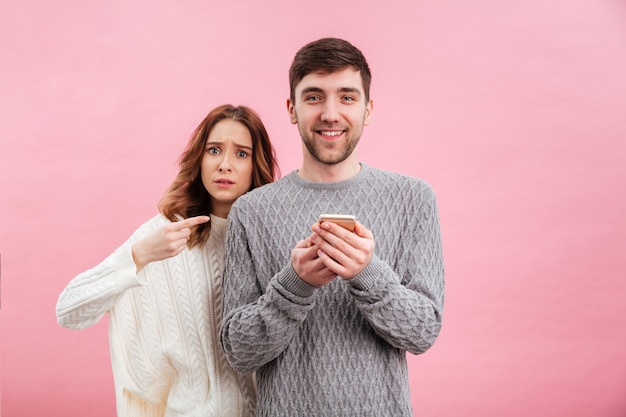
point(330, 110)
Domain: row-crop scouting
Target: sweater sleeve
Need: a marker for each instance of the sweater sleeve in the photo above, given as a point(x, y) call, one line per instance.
point(94, 292)
point(405, 308)
point(258, 326)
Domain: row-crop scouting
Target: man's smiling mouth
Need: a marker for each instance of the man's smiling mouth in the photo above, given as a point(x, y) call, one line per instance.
point(330, 132)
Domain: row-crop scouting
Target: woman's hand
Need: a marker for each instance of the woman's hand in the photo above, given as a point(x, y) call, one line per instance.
point(165, 242)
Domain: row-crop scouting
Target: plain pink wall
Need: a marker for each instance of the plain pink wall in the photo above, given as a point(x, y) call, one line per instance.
point(513, 111)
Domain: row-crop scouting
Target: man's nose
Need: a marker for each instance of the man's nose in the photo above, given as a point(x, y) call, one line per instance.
point(330, 112)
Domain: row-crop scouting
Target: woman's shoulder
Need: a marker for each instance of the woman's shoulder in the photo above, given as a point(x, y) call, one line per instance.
point(149, 225)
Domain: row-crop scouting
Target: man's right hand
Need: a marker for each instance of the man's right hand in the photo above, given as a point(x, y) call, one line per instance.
point(308, 265)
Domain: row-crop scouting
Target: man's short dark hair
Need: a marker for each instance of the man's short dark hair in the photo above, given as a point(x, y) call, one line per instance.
point(328, 55)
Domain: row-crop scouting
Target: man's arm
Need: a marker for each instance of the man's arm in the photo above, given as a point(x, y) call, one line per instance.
point(406, 309)
point(258, 323)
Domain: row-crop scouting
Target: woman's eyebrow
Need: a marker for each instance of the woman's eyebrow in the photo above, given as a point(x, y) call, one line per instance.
point(238, 145)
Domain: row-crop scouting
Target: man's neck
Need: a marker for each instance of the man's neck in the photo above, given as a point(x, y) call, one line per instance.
point(316, 171)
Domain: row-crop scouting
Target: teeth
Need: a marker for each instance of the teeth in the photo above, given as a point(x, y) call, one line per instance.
point(331, 132)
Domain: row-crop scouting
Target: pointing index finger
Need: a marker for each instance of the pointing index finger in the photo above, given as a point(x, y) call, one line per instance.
point(191, 221)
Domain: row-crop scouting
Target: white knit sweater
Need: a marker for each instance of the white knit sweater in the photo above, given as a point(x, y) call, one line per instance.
point(163, 329)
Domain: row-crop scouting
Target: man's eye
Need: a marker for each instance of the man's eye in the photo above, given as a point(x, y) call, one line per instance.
point(348, 98)
point(313, 98)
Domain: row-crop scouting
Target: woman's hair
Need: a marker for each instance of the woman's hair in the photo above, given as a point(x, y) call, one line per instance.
point(328, 55)
point(186, 196)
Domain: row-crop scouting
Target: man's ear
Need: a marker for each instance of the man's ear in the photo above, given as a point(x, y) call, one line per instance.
point(368, 112)
point(292, 112)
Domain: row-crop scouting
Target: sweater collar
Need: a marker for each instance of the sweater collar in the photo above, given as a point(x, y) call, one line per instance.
point(363, 173)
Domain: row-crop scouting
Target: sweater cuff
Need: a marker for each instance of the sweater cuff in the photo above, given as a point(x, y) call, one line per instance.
point(291, 281)
point(368, 277)
point(125, 269)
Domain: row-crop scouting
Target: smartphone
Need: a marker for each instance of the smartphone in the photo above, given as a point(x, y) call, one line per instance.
point(344, 220)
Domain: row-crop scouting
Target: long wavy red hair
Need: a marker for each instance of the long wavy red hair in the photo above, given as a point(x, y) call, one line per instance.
point(186, 196)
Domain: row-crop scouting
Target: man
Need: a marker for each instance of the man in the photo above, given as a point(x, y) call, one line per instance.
point(326, 322)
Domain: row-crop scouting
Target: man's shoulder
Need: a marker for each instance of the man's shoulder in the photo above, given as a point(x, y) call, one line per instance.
point(264, 192)
point(398, 180)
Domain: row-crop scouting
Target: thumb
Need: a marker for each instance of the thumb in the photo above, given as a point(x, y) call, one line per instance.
point(362, 231)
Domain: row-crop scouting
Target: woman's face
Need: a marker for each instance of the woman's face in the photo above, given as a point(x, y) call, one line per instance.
point(226, 169)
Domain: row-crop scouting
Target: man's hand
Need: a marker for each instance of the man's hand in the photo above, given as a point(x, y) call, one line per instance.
point(308, 265)
point(342, 252)
point(165, 242)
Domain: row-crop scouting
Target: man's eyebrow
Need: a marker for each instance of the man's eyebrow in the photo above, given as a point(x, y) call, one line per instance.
point(350, 90)
point(312, 90)
point(353, 90)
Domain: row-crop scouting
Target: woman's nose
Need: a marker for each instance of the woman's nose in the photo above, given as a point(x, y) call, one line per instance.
point(225, 164)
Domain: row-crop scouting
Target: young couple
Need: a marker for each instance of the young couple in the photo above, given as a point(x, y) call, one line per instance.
point(276, 314)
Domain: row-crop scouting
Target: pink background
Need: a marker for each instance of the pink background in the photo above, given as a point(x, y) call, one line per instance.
point(513, 111)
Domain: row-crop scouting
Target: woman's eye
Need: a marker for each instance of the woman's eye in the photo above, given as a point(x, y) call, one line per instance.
point(213, 150)
point(242, 154)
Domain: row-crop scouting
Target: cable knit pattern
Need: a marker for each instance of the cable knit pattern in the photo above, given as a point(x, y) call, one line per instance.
point(164, 328)
point(339, 350)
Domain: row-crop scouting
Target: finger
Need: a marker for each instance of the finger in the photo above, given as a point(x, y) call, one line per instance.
point(309, 253)
point(327, 230)
point(184, 234)
point(303, 244)
point(362, 231)
point(326, 273)
point(332, 243)
point(338, 255)
point(190, 222)
point(331, 264)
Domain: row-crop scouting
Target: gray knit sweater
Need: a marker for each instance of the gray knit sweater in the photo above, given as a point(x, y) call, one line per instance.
point(339, 350)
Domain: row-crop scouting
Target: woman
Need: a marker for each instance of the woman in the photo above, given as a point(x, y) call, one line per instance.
point(162, 288)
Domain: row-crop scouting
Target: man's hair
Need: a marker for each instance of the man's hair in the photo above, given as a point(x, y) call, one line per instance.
point(328, 55)
point(186, 196)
